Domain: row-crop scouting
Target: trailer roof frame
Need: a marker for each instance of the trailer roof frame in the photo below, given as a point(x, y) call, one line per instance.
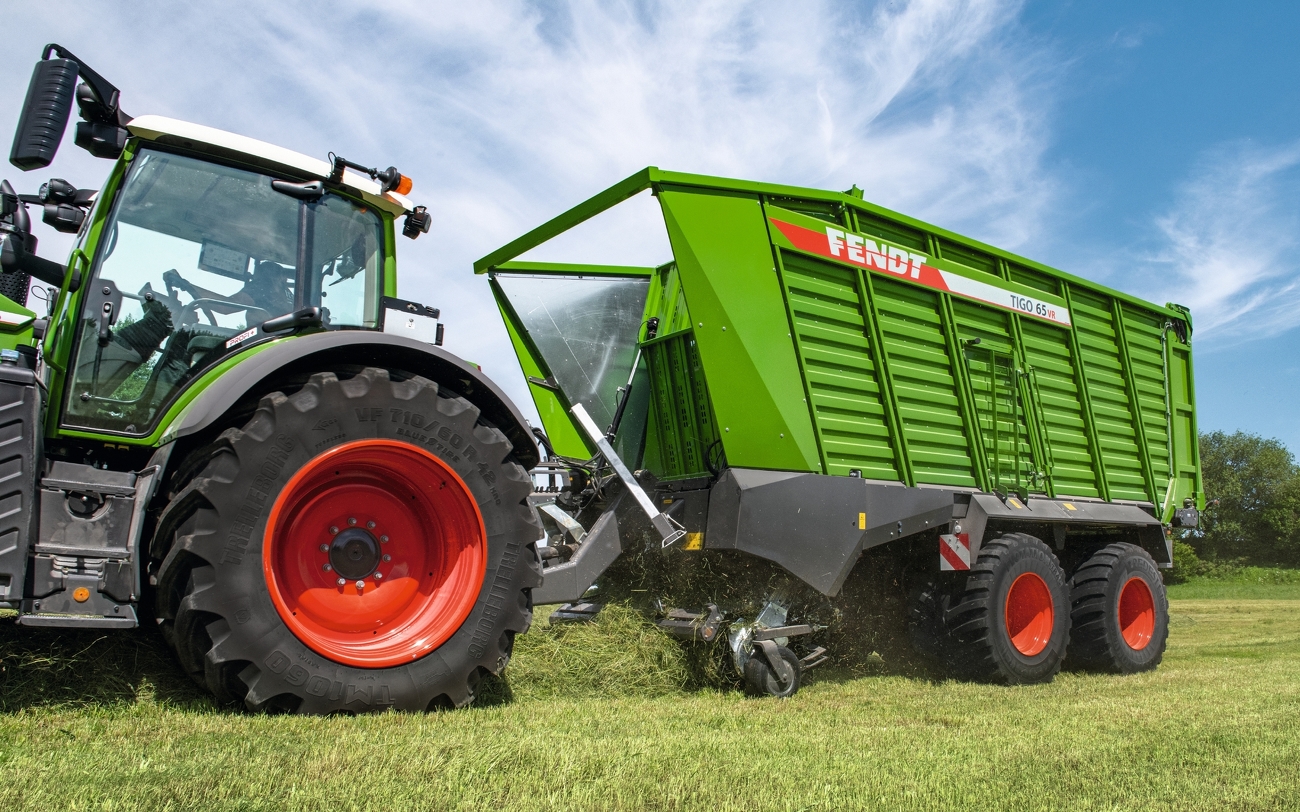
point(654, 178)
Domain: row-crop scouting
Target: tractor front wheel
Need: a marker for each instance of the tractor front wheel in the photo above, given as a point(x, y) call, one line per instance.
point(361, 544)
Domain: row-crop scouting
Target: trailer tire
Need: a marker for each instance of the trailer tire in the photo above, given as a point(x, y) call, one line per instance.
point(1119, 612)
point(1006, 622)
point(322, 474)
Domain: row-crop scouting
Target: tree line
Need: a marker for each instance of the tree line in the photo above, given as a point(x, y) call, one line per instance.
point(1257, 484)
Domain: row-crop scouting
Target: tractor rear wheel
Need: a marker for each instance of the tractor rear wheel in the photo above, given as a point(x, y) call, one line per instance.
point(1007, 622)
point(361, 544)
point(1120, 612)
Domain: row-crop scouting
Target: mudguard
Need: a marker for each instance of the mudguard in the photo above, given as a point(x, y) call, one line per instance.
point(317, 351)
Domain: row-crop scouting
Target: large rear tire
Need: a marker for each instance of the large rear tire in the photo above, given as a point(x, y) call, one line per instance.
point(361, 544)
point(1007, 622)
point(1120, 612)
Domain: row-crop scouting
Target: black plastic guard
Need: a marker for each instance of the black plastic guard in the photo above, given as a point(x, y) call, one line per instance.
point(20, 452)
point(816, 526)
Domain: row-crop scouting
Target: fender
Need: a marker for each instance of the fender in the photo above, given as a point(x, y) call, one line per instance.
point(317, 351)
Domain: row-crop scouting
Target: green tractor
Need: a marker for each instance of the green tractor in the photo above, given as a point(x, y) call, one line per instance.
point(225, 422)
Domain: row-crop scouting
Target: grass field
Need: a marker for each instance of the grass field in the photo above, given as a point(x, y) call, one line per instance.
point(100, 722)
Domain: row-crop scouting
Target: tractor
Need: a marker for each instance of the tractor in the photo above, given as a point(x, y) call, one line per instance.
point(223, 421)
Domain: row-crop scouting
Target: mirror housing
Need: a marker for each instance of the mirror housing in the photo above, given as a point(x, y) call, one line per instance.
point(49, 103)
point(101, 140)
point(45, 114)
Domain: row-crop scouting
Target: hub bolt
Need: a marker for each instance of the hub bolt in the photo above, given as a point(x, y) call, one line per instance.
point(351, 521)
point(387, 557)
point(327, 568)
point(378, 575)
point(343, 581)
point(334, 531)
point(324, 548)
point(370, 525)
point(383, 539)
point(361, 584)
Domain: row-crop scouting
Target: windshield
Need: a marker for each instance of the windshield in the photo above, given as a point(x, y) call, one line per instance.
point(194, 258)
point(585, 329)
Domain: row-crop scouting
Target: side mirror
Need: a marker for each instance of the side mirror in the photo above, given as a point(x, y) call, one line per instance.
point(102, 133)
point(45, 113)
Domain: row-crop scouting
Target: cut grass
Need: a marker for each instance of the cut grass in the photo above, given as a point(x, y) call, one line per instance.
point(1216, 726)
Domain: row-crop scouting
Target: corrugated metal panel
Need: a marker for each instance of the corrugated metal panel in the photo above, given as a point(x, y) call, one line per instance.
point(1047, 352)
point(681, 420)
point(1144, 349)
point(995, 386)
point(1185, 447)
point(1112, 411)
point(924, 386)
point(970, 258)
point(681, 424)
point(835, 351)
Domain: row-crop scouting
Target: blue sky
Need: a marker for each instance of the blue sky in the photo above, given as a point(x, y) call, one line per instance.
point(1154, 147)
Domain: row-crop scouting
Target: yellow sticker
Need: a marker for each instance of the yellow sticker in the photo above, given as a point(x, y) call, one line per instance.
point(862, 521)
point(1069, 506)
point(694, 541)
point(1015, 503)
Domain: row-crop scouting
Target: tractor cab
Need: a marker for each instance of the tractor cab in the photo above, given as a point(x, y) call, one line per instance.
point(207, 244)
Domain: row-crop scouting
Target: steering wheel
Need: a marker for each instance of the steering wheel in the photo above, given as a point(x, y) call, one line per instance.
point(175, 282)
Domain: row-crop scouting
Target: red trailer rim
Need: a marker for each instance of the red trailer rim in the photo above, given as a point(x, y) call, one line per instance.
point(1137, 613)
point(374, 553)
point(1029, 614)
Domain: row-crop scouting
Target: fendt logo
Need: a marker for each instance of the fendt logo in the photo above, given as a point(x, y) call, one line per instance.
point(864, 252)
point(845, 246)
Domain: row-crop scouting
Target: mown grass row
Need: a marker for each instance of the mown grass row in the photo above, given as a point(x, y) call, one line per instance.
point(611, 716)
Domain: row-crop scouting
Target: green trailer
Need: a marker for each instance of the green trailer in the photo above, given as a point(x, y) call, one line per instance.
point(813, 390)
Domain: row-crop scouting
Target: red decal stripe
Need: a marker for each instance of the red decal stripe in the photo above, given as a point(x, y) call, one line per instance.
point(908, 265)
point(950, 555)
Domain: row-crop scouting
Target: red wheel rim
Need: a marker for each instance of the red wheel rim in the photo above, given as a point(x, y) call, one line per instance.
point(1137, 613)
point(374, 553)
point(1029, 614)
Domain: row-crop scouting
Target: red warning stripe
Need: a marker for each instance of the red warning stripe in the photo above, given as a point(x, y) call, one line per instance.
point(950, 555)
point(834, 244)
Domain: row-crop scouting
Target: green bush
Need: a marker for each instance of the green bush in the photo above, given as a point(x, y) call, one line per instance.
point(1186, 564)
point(1257, 483)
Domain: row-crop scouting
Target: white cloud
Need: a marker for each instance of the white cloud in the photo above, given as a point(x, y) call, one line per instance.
point(1230, 242)
point(506, 113)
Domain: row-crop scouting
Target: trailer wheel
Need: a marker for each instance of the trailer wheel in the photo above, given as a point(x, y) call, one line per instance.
point(361, 544)
point(1120, 612)
point(761, 679)
point(1007, 622)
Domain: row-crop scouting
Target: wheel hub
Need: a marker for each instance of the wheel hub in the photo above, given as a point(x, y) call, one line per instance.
point(1137, 613)
point(354, 553)
point(1029, 615)
point(375, 553)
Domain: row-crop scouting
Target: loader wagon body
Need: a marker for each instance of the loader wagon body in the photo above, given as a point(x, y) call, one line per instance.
point(817, 376)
